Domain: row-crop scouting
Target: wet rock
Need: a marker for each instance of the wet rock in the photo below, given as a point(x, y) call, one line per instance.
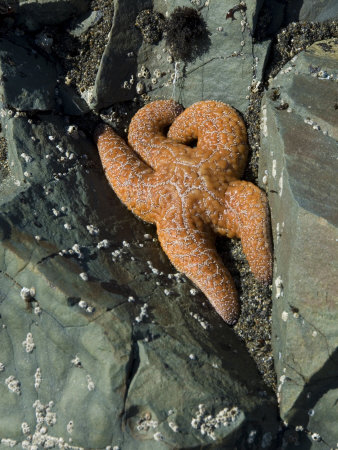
point(115, 77)
point(72, 103)
point(269, 18)
point(312, 10)
point(38, 13)
point(85, 22)
point(299, 169)
point(100, 340)
point(28, 79)
point(225, 67)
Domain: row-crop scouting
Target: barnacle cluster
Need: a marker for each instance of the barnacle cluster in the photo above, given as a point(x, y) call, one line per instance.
point(151, 25)
point(296, 37)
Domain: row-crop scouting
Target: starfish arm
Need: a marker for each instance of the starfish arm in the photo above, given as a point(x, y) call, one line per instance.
point(193, 253)
point(147, 132)
point(247, 217)
point(220, 133)
point(130, 177)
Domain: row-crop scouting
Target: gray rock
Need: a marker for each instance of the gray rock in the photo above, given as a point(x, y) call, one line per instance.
point(119, 58)
point(37, 13)
point(28, 79)
point(103, 329)
point(299, 165)
point(85, 22)
point(71, 101)
point(314, 10)
point(224, 71)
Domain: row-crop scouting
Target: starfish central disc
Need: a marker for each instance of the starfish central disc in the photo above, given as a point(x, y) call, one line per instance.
point(187, 182)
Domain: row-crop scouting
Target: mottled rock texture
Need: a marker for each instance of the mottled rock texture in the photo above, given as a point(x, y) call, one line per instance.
point(299, 165)
point(121, 349)
point(312, 10)
point(28, 79)
point(101, 342)
point(223, 69)
point(35, 14)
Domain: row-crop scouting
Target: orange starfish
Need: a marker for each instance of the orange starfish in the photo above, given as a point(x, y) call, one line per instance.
point(192, 192)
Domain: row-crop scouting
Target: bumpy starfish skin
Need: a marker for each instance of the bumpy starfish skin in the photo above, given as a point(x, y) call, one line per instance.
point(191, 193)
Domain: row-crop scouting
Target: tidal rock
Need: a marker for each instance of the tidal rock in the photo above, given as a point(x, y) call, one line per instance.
point(299, 169)
point(101, 341)
point(35, 14)
point(227, 65)
point(312, 10)
point(116, 74)
point(86, 22)
point(28, 78)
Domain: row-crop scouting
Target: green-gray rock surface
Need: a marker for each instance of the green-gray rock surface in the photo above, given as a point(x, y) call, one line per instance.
point(299, 168)
point(227, 66)
point(312, 10)
point(35, 14)
point(93, 320)
point(28, 78)
point(102, 343)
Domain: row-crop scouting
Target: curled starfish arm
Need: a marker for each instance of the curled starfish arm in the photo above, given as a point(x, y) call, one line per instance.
point(247, 218)
point(220, 133)
point(193, 253)
point(147, 132)
point(129, 176)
